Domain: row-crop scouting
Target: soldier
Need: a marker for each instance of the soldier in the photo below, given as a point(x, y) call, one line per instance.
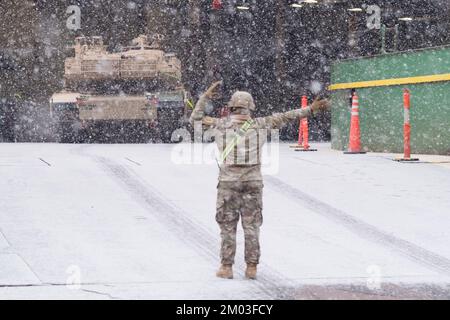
point(240, 140)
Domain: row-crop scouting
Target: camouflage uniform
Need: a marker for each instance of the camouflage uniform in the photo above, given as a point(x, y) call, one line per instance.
point(240, 180)
point(239, 199)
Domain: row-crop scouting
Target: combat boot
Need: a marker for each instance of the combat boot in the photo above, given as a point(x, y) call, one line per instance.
point(225, 271)
point(250, 272)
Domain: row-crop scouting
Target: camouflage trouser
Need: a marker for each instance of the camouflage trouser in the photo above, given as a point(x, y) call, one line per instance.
point(234, 200)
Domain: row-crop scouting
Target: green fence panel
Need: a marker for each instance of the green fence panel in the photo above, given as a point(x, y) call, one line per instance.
point(381, 108)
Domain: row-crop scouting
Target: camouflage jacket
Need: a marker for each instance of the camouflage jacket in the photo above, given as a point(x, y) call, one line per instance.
point(244, 162)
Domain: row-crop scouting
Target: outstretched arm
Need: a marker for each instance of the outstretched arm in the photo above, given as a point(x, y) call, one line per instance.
point(278, 120)
point(198, 114)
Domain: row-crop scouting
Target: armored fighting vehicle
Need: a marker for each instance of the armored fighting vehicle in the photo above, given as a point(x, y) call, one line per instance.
point(134, 95)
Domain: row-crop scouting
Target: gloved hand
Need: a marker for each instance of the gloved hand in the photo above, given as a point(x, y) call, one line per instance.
point(320, 105)
point(212, 93)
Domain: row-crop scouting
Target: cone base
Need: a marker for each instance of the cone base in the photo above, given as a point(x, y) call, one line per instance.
point(296, 146)
point(355, 152)
point(406, 160)
point(305, 150)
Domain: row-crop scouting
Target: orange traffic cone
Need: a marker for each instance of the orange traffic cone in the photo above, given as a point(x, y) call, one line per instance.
point(407, 129)
point(355, 131)
point(300, 127)
point(304, 131)
point(300, 130)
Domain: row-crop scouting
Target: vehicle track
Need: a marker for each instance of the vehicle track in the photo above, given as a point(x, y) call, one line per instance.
point(364, 230)
point(270, 283)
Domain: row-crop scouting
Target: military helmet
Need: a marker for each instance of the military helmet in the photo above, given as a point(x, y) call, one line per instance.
point(242, 99)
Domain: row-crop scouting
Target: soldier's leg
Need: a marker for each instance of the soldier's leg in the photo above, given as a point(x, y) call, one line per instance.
point(227, 216)
point(228, 242)
point(252, 220)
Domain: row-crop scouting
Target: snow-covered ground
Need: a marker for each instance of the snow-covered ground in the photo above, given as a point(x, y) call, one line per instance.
point(127, 222)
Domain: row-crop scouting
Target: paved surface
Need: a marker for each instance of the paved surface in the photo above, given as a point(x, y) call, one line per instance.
point(131, 222)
